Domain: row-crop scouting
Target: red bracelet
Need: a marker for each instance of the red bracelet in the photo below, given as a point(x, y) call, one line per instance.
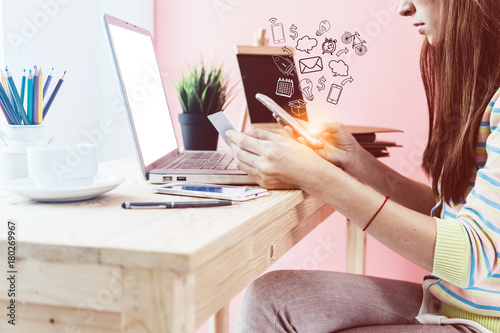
point(368, 224)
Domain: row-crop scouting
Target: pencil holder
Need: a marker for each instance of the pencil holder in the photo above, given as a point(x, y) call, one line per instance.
point(17, 140)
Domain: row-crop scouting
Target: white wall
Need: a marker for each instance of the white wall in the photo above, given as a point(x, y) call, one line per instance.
point(68, 35)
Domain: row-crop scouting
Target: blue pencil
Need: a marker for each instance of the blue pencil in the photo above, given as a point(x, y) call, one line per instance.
point(29, 102)
point(15, 98)
point(47, 83)
point(4, 99)
point(23, 85)
point(35, 96)
point(54, 93)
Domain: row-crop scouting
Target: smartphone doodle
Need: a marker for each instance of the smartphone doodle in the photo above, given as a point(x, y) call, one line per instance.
point(334, 94)
point(278, 33)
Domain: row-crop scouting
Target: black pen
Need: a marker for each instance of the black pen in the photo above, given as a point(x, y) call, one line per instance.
point(176, 204)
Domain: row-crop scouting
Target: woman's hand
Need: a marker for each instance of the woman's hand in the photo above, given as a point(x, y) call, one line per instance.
point(274, 161)
point(341, 148)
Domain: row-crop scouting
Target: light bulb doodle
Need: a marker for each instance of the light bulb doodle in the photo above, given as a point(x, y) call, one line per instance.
point(329, 46)
point(293, 30)
point(321, 82)
point(306, 87)
point(324, 26)
point(343, 51)
point(348, 80)
point(285, 65)
point(298, 107)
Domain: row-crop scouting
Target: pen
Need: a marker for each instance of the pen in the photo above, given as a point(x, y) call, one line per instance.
point(177, 204)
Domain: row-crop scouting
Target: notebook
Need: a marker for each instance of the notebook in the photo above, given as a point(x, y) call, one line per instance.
point(158, 153)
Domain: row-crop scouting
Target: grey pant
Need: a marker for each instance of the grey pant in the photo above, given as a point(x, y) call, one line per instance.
point(317, 301)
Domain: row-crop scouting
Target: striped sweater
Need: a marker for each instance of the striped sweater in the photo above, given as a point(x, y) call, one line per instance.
point(466, 272)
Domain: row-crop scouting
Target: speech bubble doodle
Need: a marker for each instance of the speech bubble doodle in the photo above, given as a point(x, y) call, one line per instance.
point(306, 44)
point(339, 68)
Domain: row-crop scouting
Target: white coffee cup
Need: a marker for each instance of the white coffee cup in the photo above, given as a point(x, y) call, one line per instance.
point(67, 165)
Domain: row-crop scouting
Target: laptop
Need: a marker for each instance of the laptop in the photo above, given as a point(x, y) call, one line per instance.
point(151, 125)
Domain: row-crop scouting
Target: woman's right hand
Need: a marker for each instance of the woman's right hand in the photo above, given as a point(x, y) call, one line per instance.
point(341, 148)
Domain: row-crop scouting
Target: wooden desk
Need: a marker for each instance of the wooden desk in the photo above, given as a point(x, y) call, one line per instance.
point(92, 266)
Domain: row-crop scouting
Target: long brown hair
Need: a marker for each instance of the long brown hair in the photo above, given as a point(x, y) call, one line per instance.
point(461, 72)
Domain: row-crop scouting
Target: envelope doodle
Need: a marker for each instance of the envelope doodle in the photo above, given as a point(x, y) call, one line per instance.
point(310, 65)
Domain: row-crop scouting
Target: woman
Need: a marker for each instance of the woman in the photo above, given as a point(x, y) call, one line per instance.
point(459, 242)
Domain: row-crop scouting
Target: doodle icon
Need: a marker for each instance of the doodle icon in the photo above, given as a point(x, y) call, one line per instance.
point(306, 87)
point(310, 65)
point(343, 51)
point(284, 88)
point(321, 82)
point(298, 107)
point(293, 30)
point(348, 80)
point(339, 68)
point(334, 94)
point(329, 46)
point(277, 31)
point(324, 26)
point(358, 44)
point(306, 44)
point(285, 65)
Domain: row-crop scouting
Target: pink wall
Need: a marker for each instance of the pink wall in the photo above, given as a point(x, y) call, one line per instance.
point(386, 91)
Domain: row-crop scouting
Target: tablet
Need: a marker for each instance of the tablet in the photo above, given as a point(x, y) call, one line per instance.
point(227, 192)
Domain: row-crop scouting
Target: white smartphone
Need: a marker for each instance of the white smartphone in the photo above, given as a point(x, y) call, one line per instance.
point(226, 192)
point(289, 120)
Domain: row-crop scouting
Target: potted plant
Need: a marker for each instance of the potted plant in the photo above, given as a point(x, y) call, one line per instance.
point(202, 90)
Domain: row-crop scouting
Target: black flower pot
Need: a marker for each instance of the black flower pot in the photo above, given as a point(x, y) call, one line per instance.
point(198, 133)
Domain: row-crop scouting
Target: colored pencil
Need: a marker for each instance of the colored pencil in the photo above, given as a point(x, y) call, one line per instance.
point(54, 93)
point(29, 101)
point(40, 96)
point(16, 101)
point(23, 86)
point(35, 96)
point(5, 87)
point(14, 118)
point(47, 83)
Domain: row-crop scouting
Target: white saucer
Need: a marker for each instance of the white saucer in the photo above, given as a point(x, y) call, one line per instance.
point(25, 188)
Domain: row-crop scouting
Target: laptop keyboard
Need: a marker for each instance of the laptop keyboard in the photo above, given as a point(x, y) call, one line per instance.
point(211, 161)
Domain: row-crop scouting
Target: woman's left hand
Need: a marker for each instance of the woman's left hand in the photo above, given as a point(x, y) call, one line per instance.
point(274, 161)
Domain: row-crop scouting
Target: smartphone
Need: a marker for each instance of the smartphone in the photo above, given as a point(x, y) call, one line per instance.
point(225, 192)
point(289, 120)
point(334, 94)
point(278, 33)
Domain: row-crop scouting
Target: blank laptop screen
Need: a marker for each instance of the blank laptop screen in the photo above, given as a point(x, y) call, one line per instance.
point(136, 61)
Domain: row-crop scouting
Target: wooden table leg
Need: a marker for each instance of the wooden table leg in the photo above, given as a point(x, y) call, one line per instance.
point(157, 301)
point(355, 249)
point(219, 322)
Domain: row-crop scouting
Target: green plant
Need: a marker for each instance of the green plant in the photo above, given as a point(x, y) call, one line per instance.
point(203, 90)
